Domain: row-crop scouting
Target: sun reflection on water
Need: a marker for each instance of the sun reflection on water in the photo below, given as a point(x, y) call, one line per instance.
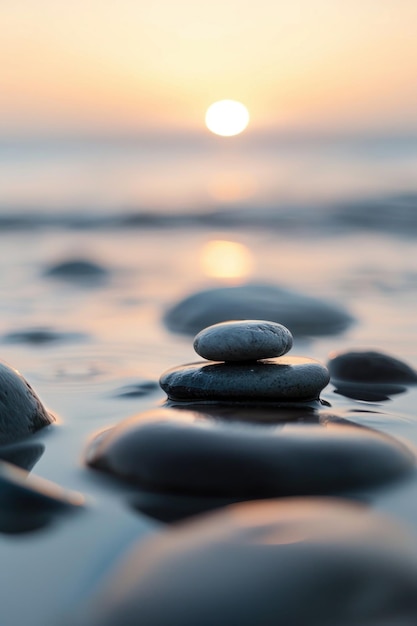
point(226, 259)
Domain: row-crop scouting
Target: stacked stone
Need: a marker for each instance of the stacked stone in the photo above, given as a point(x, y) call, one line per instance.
point(247, 363)
point(201, 452)
point(252, 563)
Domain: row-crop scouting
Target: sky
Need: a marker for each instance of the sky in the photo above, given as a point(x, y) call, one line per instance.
point(132, 66)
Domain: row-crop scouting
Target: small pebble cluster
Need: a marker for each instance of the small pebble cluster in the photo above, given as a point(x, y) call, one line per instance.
point(247, 364)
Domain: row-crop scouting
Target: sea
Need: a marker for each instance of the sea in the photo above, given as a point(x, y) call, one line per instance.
point(164, 216)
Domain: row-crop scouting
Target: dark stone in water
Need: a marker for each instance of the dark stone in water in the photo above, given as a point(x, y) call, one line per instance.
point(184, 452)
point(173, 507)
point(78, 270)
point(21, 411)
point(300, 562)
point(27, 504)
point(303, 314)
point(243, 341)
point(369, 367)
point(367, 392)
point(285, 378)
point(40, 336)
point(137, 390)
point(24, 455)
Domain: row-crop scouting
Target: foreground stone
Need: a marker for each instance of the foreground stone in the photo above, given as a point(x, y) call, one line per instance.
point(303, 314)
point(243, 341)
point(21, 411)
point(184, 452)
point(284, 378)
point(299, 562)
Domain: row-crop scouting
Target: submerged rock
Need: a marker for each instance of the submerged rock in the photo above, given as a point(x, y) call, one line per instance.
point(41, 336)
point(243, 341)
point(78, 270)
point(30, 503)
point(368, 375)
point(184, 452)
point(21, 411)
point(281, 379)
point(303, 314)
point(370, 367)
point(300, 562)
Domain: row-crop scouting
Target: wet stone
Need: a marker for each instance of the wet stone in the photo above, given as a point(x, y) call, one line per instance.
point(78, 270)
point(317, 562)
point(282, 379)
point(21, 411)
point(27, 504)
point(304, 315)
point(243, 341)
point(370, 367)
point(185, 452)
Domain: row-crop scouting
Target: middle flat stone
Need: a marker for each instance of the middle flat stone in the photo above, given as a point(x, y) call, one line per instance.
point(274, 380)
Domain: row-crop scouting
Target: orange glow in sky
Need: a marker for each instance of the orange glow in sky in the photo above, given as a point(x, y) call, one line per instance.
point(129, 66)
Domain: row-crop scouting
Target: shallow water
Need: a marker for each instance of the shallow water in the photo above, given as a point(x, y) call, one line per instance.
point(113, 336)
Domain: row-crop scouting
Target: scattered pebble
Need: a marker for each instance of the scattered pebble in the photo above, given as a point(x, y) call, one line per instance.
point(281, 379)
point(21, 411)
point(243, 341)
point(78, 270)
point(30, 503)
point(185, 452)
point(41, 336)
point(303, 314)
point(304, 562)
point(370, 367)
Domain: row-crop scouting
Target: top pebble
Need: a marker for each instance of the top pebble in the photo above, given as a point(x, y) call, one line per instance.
point(248, 340)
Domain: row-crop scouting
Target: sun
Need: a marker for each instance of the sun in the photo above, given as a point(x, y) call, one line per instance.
point(227, 118)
